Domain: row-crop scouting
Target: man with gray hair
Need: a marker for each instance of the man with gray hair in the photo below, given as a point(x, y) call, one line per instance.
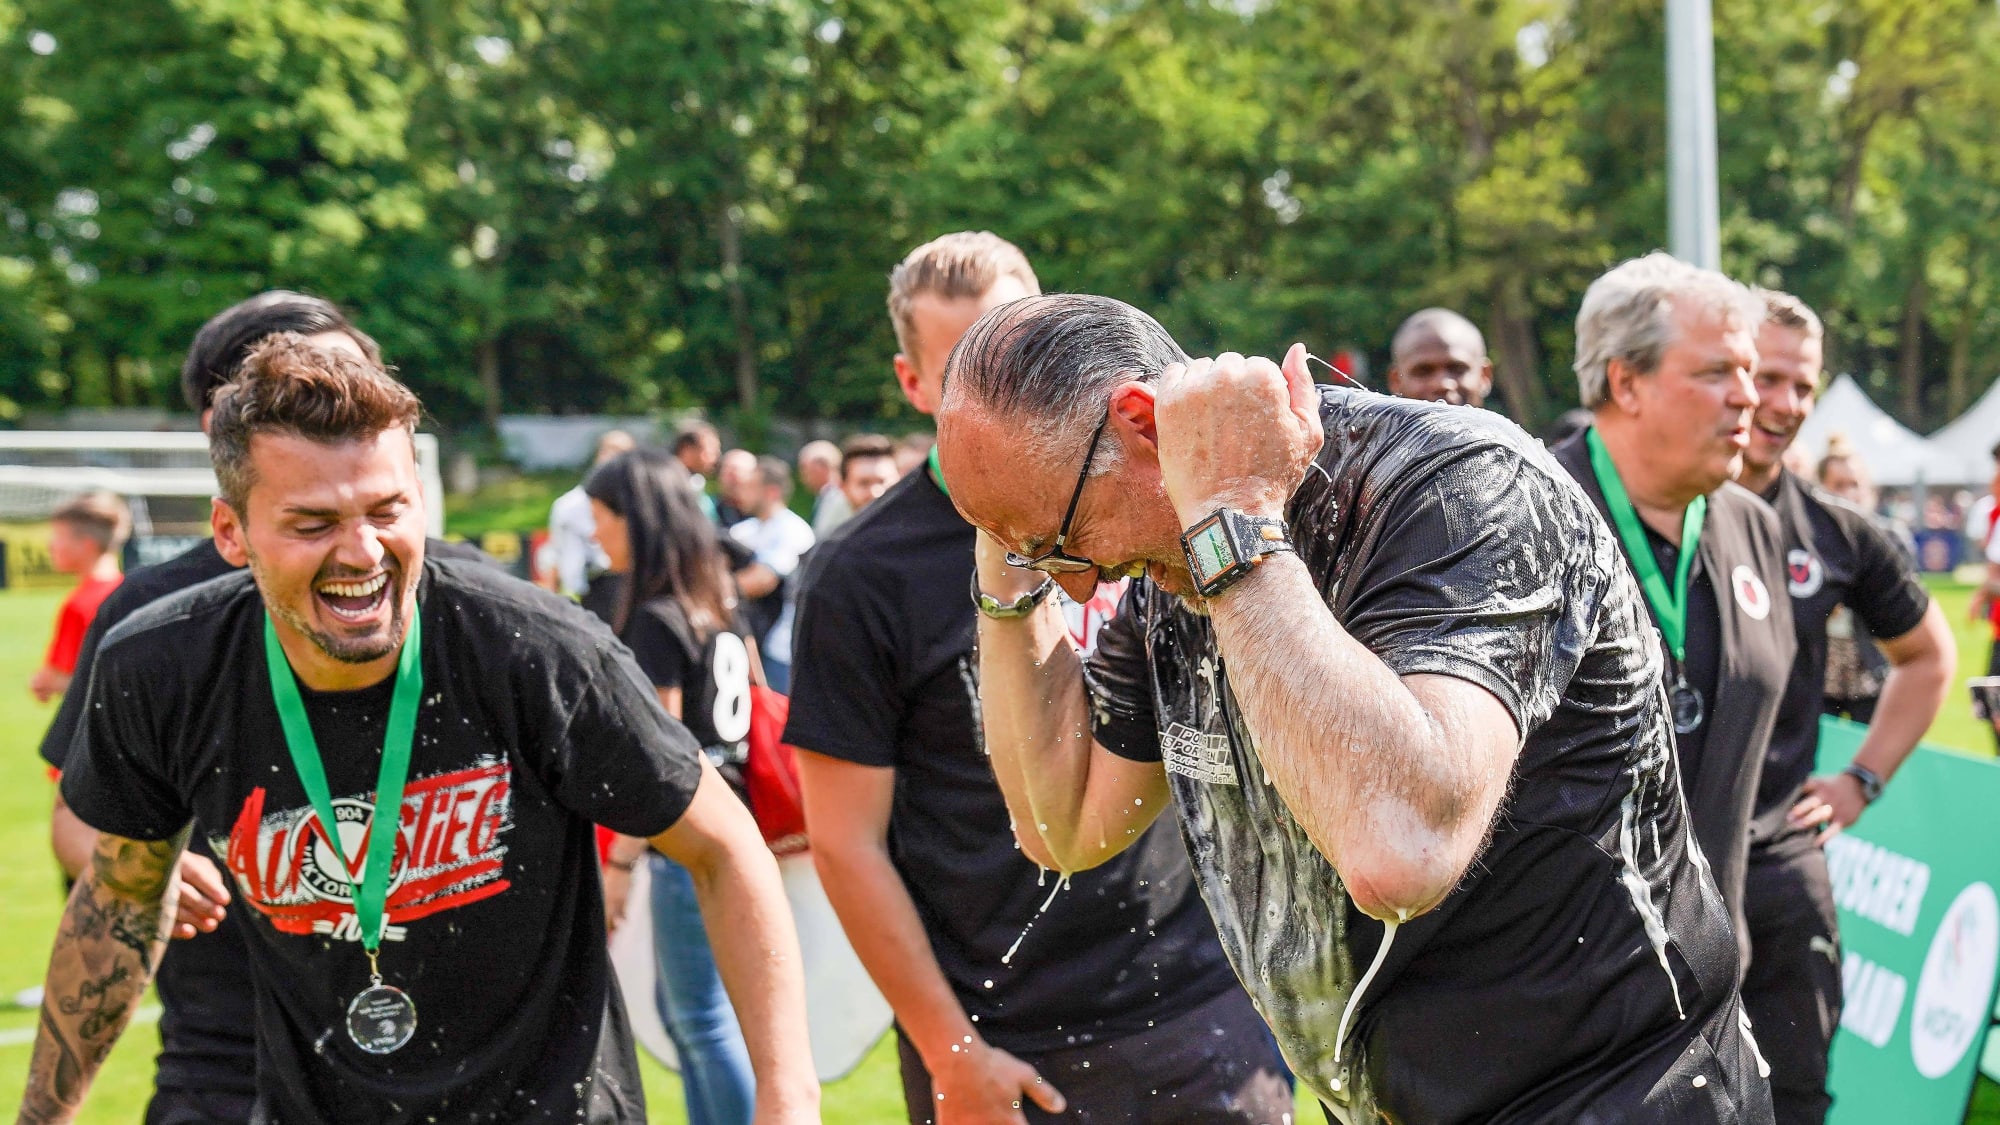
point(1385, 666)
point(1439, 356)
point(1665, 352)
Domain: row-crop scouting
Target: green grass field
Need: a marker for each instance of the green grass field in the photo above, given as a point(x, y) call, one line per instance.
point(30, 886)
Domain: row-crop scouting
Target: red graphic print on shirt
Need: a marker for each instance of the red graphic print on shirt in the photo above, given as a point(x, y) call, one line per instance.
point(448, 853)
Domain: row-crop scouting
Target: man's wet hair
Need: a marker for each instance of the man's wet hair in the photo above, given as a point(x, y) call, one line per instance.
point(292, 388)
point(222, 345)
point(1050, 363)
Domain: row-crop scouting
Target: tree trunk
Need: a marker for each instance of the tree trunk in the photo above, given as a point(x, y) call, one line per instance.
point(489, 381)
point(1517, 366)
point(739, 308)
point(1910, 353)
point(1958, 374)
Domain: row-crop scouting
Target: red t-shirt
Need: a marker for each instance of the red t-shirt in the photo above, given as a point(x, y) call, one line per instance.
point(73, 620)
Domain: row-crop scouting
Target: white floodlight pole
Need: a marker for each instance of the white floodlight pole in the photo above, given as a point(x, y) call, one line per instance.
point(1693, 211)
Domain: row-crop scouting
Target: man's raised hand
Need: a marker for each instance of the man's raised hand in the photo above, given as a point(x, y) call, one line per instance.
point(1237, 432)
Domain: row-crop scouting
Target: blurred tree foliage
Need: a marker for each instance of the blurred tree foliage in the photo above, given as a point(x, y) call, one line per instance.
point(577, 205)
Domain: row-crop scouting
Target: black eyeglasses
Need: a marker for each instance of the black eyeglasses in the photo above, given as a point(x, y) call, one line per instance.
point(1055, 560)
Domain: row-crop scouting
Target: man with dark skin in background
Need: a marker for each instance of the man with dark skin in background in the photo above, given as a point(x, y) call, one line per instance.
point(1439, 356)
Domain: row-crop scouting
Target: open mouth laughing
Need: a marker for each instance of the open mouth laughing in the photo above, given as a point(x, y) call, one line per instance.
point(354, 599)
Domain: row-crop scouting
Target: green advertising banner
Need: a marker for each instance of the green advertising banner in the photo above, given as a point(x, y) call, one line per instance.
point(1920, 936)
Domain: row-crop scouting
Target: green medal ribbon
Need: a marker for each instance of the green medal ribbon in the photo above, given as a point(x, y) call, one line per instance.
point(371, 893)
point(1669, 606)
point(937, 474)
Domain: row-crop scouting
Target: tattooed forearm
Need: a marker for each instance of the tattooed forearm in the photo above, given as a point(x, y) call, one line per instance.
point(111, 937)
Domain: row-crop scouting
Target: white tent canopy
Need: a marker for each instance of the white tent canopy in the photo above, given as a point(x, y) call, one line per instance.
point(1962, 452)
point(1894, 454)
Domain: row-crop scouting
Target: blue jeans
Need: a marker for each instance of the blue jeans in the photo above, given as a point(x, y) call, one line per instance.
point(715, 1065)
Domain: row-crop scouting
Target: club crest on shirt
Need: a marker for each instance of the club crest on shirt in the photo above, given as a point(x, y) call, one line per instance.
point(1803, 573)
point(1197, 755)
point(1752, 597)
point(449, 852)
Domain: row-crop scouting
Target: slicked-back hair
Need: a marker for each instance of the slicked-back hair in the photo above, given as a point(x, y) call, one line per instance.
point(1628, 315)
point(292, 388)
point(222, 345)
point(675, 551)
point(954, 266)
point(1050, 363)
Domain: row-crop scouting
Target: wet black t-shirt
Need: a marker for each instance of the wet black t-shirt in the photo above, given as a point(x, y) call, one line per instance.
point(1583, 969)
point(884, 675)
point(1835, 554)
point(535, 722)
point(206, 1011)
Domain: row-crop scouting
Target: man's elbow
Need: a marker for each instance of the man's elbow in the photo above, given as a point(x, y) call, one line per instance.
point(1396, 876)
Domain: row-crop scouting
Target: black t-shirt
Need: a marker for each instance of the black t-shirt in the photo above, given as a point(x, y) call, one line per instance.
point(1584, 962)
point(535, 722)
point(1702, 653)
point(884, 675)
point(1835, 555)
point(712, 672)
point(206, 1010)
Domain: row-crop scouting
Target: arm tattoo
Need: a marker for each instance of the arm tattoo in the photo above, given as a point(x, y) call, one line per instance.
point(111, 938)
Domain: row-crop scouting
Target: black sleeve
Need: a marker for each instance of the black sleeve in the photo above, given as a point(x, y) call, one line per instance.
point(69, 713)
point(660, 653)
point(1887, 594)
point(1489, 570)
point(117, 779)
point(846, 702)
point(1120, 681)
point(619, 759)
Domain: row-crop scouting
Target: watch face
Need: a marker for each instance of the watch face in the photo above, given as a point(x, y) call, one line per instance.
point(1209, 549)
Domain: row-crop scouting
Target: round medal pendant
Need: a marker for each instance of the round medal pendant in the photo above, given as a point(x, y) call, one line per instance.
point(381, 1019)
point(1688, 710)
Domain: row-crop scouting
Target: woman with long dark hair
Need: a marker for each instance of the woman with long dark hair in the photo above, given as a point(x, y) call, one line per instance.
point(676, 611)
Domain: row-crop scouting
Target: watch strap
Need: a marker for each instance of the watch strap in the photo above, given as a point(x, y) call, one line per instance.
point(1871, 782)
point(1007, 611)
point(1225, 545)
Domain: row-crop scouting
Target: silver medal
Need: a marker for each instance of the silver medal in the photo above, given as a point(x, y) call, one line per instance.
point(381, 1019)
point(1687, 705)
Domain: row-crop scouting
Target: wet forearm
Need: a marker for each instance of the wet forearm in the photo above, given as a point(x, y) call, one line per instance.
point(1389, 789)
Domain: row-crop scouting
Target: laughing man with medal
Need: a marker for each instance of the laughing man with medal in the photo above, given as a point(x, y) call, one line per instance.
point(1665, 354)
point(449, 965)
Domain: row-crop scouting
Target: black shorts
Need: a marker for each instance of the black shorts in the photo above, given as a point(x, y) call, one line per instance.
point(1214, 1065)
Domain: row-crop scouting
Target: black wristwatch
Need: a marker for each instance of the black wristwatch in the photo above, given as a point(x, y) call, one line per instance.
point(1227, 544)
point(1871, 783)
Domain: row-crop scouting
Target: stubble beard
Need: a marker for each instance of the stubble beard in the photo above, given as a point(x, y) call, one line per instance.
point(347, 650)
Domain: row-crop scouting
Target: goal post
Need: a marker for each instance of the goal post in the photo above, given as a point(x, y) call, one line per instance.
point(164, 476)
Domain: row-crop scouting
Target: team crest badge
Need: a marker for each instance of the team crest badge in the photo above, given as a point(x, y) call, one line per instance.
point(1803, 573)
point(1751, 595)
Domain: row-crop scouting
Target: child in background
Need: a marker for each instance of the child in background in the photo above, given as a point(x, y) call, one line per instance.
point(85, 538)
